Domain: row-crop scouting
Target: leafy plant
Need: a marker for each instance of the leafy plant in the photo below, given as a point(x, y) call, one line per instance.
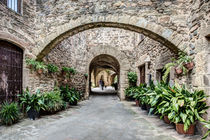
point(53, 101)
point(207, 125)
point(187, 107)
point(86, 75)
point(9, 113)
point(31, 101)
point(183, 59)
point(69, 70)
point(40, 66)
point(36, 65)
point(132, 78)
point(31, 62)
point(130, 92)
point(70, 95)
point(52, 68)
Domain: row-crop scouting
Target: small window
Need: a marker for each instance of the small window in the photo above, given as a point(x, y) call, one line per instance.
point(13, 4)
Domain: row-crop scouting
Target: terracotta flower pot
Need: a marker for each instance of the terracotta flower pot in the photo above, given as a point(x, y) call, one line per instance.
point(137, 102)
point(64, 73)
point(178, 71)
point(189, 66)
point(166, 120)
point(180, 129)
point(39, 71)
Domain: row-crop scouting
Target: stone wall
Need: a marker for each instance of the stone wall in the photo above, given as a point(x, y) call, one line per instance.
point(74, 51)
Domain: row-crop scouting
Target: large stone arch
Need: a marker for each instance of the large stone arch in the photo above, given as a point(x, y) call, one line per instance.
point(120, 57)
point(166, 36)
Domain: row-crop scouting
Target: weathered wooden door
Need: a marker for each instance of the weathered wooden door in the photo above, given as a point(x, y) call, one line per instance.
point(142, 74)
point(11, 65)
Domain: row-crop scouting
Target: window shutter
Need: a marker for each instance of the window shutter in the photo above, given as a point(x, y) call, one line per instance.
point(19, 6)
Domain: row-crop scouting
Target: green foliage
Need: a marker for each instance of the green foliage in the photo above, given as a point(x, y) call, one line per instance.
point(70, 95)
point(36, 65)
point(40, 66)
point(9, 113)
point(130, 92)
point(132, 78)
point(31, 62)
point(53, 101)
point(69, 70)
point(32, 101)
point(177, 102)
point(86, 75)
point(187, 107)
point(207, 125)
point(52, 68)
point(183, 59)
point(167, 69)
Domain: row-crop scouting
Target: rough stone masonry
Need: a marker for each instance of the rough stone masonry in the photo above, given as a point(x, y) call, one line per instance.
point(47, 28)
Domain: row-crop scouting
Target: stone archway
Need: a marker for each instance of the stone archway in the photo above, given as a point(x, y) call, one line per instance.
point(165, 36)
point(119, 58)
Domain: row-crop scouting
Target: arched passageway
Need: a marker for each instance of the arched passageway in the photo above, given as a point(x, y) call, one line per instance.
point(165, 36)
point(100, 70)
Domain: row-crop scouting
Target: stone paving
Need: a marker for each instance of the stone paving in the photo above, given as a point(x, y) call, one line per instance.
point(107, 90)
point(99, 118)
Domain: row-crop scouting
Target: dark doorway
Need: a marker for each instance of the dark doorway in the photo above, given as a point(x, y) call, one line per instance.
point(11, 66)
point(142, 74)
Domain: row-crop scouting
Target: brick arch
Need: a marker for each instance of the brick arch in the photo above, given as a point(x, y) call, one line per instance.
point(123, 68)
point(165, 36)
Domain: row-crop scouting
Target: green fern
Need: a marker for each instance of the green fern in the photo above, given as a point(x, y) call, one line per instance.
point(167, 70)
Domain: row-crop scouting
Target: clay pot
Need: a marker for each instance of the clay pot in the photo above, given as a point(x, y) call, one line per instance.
point(64, 73)
point(39, 71)
point(178, 71)
point(65, 81)
point(166, 120)
point(143, 107)
point(189, 66)
point(137, 102)
point(180, 129)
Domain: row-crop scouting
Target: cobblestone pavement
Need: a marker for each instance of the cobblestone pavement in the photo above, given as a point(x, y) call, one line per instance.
point(100, 118)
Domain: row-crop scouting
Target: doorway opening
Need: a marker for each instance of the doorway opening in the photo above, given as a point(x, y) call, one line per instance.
point(11, 67)
point(104, 74)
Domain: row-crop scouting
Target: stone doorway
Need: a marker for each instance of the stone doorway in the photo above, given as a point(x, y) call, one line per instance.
point(11, 67)
point(104, 74)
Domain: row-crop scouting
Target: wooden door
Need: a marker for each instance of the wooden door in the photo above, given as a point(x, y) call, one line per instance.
point(11, 65)
point(142, 74)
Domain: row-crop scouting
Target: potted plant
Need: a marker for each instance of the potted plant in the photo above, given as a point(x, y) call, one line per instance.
point(40, 67)
point(72, 96)
point(187, 108)
point(32, 103)
point(132, 78)
point(186, 61)
point(52, 101)
point(65, 70)
point(9, 113)
point(52, 68)
point(31, 63)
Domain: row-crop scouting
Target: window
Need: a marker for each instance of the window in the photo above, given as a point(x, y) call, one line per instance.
point(13, 4)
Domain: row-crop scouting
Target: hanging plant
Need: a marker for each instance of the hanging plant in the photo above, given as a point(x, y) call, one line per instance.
point(182, 65)
point(52, 68)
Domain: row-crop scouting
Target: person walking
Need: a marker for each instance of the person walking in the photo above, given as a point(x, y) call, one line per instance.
point(102, 84)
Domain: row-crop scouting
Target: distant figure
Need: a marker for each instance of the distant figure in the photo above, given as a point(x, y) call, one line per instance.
point(101, 83)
